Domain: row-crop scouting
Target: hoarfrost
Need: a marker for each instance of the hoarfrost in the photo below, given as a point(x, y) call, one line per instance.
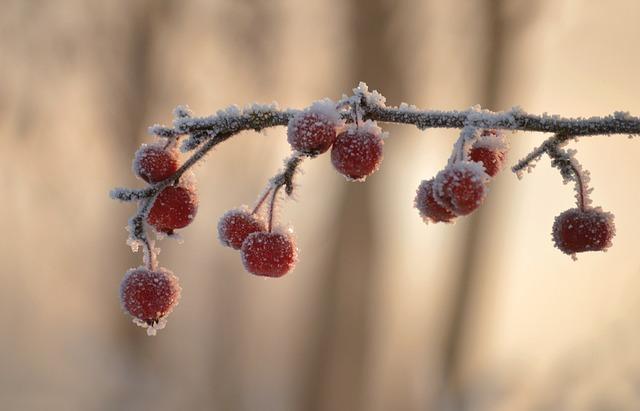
point(372, 98)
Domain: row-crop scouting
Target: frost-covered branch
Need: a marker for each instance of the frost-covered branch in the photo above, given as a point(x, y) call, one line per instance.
point(349, 129)
point(204, 133)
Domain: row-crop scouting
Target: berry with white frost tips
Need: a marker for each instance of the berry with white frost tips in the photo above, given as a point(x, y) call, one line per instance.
point(357, 151)
point(461, 187)
point(490, 149)
point(269, 254)
point(154, 163)
point(429, 208)
point(576, 231)
point(313, 130)
point(149, 296)
point(175, 207)
point(236, 225)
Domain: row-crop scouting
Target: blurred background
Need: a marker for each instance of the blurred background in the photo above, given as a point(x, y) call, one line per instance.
point(382, 311)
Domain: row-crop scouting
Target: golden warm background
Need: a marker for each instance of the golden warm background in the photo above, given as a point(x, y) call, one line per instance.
point(382, 311)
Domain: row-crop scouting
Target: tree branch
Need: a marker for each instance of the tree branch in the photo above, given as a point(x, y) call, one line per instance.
point(204, 133)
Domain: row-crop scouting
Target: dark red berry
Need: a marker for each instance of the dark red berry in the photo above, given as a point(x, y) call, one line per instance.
point(235, 225)
point(153, 163)
point(357, 152)
point(175, 207)
point(149, 295)
point(429, 208)
point(311, 133)
point(269, 254)
point(577, 231)
point(461, 187)
point(490, 150)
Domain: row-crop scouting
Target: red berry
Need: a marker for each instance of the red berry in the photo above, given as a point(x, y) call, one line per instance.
point(175, 207)
point(269, 254)
point(149, 295)
point(429, 207)
point(152, 163)
point(576, 231)
point(461, 187)
point(490, 150)
point(311, 133)
point(491, 160)
point(357, 152)
point(235, 225)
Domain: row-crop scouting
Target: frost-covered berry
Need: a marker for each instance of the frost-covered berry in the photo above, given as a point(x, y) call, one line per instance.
point(175, 207)
point(313, 131)
point(461, 187)
point(269, 254)
point(357, 152)
point(149, 296)
point(576, 231)
point(429, 208)
point(236, 225)
point(490, 150)
point(153, 163)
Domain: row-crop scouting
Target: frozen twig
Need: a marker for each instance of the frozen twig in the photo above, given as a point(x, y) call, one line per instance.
point(204, 133)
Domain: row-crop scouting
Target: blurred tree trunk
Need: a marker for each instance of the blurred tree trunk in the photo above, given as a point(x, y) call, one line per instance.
point(336, 373)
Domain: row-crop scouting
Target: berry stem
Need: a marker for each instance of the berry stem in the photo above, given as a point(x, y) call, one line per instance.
point(150, 257)
point(582, 195)
point(284, 178)
point(569, 168)
point(272, 206)
point(261, 200)
point(467, 137)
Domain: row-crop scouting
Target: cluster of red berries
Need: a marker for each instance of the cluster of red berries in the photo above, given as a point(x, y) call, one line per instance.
point(264, 251)
point(356, 153)
point(149, 294)
point(176, 205)
point(356, 149)
point(461, 187)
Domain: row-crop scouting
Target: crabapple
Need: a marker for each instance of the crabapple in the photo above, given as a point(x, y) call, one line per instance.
point(149, 295)
point(153, 163)
point(461, 187)
point(429, 207)
point(269, 254)
point(576, 230)
point(235, 225)
point(311, 133)
point(490, 150)
point(175, 207)
point(357, 152)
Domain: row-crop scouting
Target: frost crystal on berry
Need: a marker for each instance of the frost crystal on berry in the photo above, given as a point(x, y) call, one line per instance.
point(236, 225)
point(357, 152)
point(269, 254)
point(149, 296)
point(461, 187)
point(428, 207)
point(576, 231)
point(153, 163)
